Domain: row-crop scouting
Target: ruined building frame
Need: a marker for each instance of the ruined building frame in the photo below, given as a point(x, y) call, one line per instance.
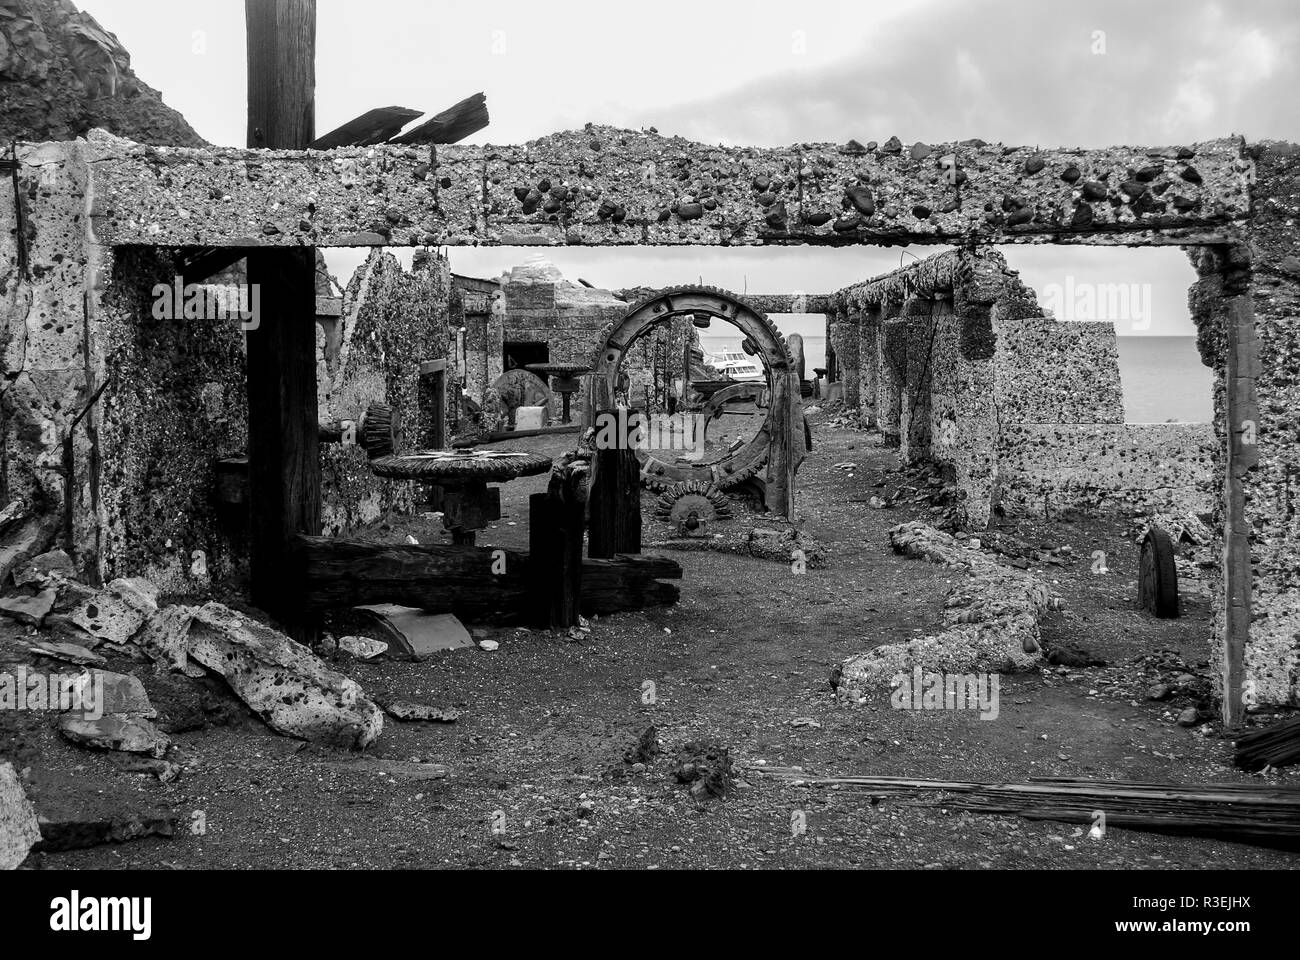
point(89, 207)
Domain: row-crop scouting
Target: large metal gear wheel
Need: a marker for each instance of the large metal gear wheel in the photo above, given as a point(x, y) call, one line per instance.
point(619, 335)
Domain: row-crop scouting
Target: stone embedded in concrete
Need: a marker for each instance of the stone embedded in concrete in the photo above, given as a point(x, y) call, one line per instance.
point(19, 830)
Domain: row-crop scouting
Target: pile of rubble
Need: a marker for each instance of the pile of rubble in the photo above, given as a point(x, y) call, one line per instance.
point(787, 545)
point(992, 619)
point(280, 680)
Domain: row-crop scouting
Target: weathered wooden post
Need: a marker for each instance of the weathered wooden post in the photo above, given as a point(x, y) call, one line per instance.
point(284, 472)
point(281, 73)
point(614, 500)
point(555, 529)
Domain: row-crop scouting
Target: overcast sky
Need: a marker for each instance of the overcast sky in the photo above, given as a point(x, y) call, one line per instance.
point(1017, 71)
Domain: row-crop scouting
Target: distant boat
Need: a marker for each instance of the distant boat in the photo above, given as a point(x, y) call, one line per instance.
point(735, 365)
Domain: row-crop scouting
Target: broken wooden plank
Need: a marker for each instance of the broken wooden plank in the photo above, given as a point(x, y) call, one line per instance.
point(1276, 745)
point(1266, 815)
point(452, 125)
point(373, 126)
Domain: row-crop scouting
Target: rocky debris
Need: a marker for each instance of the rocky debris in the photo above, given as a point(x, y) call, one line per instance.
point(361, 648)
point(93, 830)
point(117, 612)
point(706, 769)
point(413, 634)
point(164, 770)
point(72, 76)
point(788, 545)
point(120, 693)
point(19, 829)
point(645, 749)
point(407, 712)
point(282, 681)
point(67, 652)
point(1069, 655)
point(31, 611)
point(25, 541)
point(45, 570)
point(992, 619)
point(129, 734)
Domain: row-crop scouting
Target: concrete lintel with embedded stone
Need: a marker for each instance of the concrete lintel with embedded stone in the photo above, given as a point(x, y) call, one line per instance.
point(610, 187)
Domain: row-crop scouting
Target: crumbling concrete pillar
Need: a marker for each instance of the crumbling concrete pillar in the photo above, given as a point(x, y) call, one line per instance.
point(869, 366)
point(850, 359)
point(914, 408)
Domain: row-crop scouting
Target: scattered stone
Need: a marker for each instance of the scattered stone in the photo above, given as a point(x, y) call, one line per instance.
point(1159, 691)
point(705, 767)
point(96, 830)
point(31, 611)
point(115, 732)
point(409, 712)
point(645, 749)
point(19, 829)
point(67, 652)
point(44, 569)
point(363, 648)
point(1189, 717)
point(488, 645)
point(920, 151)
point(164, 770)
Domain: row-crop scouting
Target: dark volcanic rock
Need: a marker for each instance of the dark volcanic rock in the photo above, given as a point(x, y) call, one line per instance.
point(64, 75)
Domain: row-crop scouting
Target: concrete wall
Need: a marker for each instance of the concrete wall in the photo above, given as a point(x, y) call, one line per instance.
point(1106, 468)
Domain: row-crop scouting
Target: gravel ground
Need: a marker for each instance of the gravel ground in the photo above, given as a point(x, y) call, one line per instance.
point(533, 775)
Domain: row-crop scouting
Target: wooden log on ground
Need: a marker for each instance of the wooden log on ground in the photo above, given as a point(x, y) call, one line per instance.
point(452, 125)
point(628, 583)
point(373, 126)
point(614, 502)
point(1255, 813)
point(477, 584)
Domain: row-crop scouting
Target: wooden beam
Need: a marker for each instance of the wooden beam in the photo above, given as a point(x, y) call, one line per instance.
point(373, 126)
point(281, 73)
point(477, 584)
point(284, 472)
point(205, 261)
point(452, 125)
